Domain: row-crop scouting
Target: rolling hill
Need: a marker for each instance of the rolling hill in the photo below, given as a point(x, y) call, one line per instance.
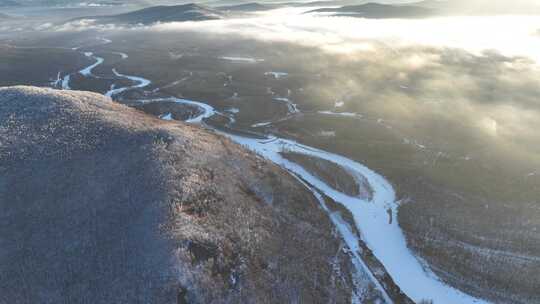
point(103, 202)
point(155, 14)
point(379, 11)
point(247, 7)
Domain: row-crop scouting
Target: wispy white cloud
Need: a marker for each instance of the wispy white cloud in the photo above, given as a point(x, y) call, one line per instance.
point(349, 34)
point(406, 64)
point(508, 35)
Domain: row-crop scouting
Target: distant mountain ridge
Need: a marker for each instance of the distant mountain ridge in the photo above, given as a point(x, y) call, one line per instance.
point(425, 8)
point(379, 11)
point(323, 3)
point(246, 7)
point(9, 3)
point(74, 3)
point(481, 7)
point(162, 13)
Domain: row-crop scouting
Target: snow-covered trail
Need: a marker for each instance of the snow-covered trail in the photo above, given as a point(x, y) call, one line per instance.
point(123, 56)
point(350, 239)
point(87, 72)
point(139, 84)
point(385, 238)
point(63, 83)
point(206, 111)
point(291, 107)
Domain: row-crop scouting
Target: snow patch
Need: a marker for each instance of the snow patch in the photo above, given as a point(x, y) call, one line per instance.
point(140, 83)
point(277, 75)
point(206, 111)
point(346, 114)
point(327, 133)
point(167, 116)
point(122, 55)
point(242, 59)
point(339, 104)
point(65, 82)
point(261, 124)
point(88, 70)
point(233, 110)
point(293, 109)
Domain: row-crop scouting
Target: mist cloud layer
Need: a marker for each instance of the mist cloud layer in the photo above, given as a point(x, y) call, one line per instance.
point(348, 34)
point(476, 75)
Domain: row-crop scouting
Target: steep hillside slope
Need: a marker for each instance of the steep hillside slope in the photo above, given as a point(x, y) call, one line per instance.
point(104, 204)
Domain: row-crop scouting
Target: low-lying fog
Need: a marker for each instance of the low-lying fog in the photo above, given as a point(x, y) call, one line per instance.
point(477, 73)
point(348, 34)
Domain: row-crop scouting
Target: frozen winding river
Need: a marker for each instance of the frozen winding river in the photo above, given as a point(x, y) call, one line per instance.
point(385, 238)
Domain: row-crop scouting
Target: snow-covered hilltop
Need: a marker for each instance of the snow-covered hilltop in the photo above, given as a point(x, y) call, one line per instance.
point(103, 202)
